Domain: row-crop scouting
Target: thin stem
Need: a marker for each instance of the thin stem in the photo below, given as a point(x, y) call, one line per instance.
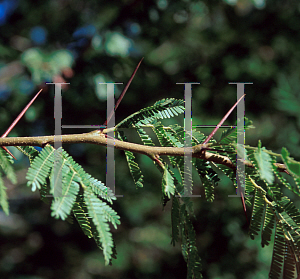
point(267, 151)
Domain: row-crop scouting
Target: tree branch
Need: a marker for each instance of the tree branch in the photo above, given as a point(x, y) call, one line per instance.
point(97, 137)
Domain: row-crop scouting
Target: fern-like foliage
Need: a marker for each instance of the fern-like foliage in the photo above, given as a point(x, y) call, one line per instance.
point(188, 245)
point(132, 164)
point(168, 186)
point(76, 193)
point(40, 168)
point(165, 108)
point(97, 211)
point(268, 225)
point(263, 194)
point(264, 164)
point(6, 166)
point(29, 151)
point(230, 135)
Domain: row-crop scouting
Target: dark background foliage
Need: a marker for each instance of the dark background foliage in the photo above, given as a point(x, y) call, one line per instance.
point(87, 42)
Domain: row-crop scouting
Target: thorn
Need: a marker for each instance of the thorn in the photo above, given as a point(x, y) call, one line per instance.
point(211, 135)
point(222, 121)
point(159, 162)
point(20, 115)
point(8, 152)
point(123, 92)
point(16, 121)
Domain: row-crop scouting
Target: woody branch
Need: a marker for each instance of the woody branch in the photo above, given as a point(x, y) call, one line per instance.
point(98, 138)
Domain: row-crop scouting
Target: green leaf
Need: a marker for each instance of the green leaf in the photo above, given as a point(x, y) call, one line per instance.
point(144, 137)
point(230, 135)
point(188, 247)
point(241, 151)
point(165, 108)
point(29, 151)
point(168, 183)
point(81, 214)
point(292, 165)
point(101, 190)
point(6, 162)
point(96, 212)
point(61, 206)
point(40, 168)
point(59, 171)
point(3, 197)
point(264, 162)
point(209, 178)
point(110, 214)
point(134, 168)
point(257, 213)
point(268, 225)
point(278, 253)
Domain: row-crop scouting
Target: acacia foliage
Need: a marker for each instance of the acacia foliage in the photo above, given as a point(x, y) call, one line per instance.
point(77, 194)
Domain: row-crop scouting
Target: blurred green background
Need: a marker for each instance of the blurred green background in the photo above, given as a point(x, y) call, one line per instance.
point(87, 42)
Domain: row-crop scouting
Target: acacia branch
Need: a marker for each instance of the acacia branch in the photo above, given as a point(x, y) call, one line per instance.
point(97, 137)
